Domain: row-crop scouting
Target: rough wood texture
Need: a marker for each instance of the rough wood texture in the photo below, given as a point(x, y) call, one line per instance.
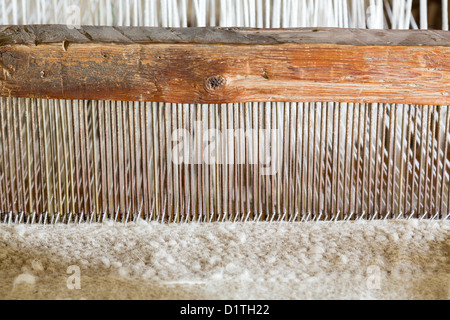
point(218, 65)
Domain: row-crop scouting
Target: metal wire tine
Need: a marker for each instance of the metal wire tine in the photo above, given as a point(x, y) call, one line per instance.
point(258, 122)
point(5, 207)
point(322, 168)
point(146, 160)
point(95, 160)
point(402, 154)
point(346, 195)
point(10, 159)
point(76, 182)
point(131, 170)
point(239, 166)
point(135, 108)
point(358, 156)
point(80, 155)
point(294, 162)
point(50, 209)
point(353, 156)
point(35, 158)
point(21, 109)
point(61, 104)
point(193, 167)
point(57, 123)
point(200, 167)
point(394, 158)
point(95, 211)
point(429, 158)
point(115, 159)
point(302, 126)
point(413, 165)
point(432, 157)
point(438, 152)
point(254, 156)
point(407, 155)
point(383, 147)
point(247, 170)
point(278, 125)
point(369, 160)
point(390, 161)
point(208, 114)
point(309, 175)
point(124, 188)
point(370, 166)
point(444, 164)
point(287, 163)
point(377, 151)
point(338, 158)
point(180, 177)
point(313, 198)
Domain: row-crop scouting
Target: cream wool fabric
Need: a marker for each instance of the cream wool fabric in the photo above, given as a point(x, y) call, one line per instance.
point(311, 260)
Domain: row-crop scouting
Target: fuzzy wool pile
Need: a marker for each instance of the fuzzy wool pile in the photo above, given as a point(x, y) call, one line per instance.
point(404, 259)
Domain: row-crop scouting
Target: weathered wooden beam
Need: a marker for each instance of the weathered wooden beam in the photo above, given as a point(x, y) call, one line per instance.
point(219, 65)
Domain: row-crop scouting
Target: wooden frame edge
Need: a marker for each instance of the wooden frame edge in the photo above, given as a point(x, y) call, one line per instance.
point(224, 65)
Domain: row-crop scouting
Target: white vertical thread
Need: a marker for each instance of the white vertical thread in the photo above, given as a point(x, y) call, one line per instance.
point(197, 11)
point(284, 15)
point(44, 11)
point(146, 13)
point(363, 15)
point(222, 13)
point(380, 15)
point(259, 13)
point(127, 13)
point(120, 16)
point(212, 13)
point(388, 10)
point(340, 16)
point(24, 12)
point(444, 14)
point(304, 13)
point(109, 18)
point(4, 17)
point(183, 14)
point(170, 16)
point(135, 13)
point(294, 14)
point(176, 12)
point(276, 14)
point(267, 16)
point(314, 22)
point(14, 9)
point(401, 18)
point(164, 17)
point(154, 14)
point(423, 15)
point(246, 13)
point(346, 14)
point(253, 13)
point(407, 21)
point(395, 14)
point(38, 7)
point(238, 13)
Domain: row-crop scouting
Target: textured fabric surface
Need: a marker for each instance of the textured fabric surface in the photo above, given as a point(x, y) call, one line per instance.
point(313, 260)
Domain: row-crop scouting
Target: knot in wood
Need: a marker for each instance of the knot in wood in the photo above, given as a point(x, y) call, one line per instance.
point(214, 83)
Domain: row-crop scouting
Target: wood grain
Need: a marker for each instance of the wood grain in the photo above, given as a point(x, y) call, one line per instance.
point(221, 65)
